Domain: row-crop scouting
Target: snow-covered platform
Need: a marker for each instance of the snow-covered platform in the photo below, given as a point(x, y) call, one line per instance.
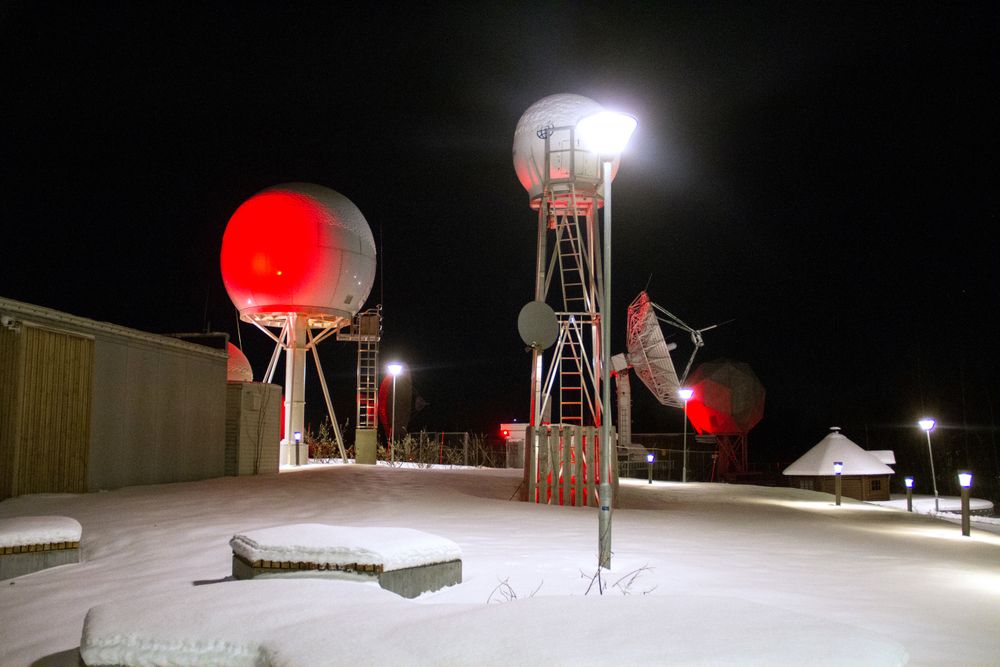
point(405, 561)
point(32, 543)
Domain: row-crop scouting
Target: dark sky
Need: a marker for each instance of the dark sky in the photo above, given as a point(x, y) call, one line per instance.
point(824, 173)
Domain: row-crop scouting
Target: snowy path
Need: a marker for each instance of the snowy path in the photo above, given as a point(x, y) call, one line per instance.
point(737, 574)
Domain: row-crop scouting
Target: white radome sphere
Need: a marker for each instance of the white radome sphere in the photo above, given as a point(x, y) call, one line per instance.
point(298, 248)
point(562, 110)
point(238, 367)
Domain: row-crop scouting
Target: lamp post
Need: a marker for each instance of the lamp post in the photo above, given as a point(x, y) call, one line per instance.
point(927, 425)
point(909, 493)
point(685, 395)
point(649, 466)
point(395, 370)
point(605, 133)
point(965, 481)
point(297, 438)
point(838, 468)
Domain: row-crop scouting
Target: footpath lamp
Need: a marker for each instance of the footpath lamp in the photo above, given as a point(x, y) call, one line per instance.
point(395, 370)
point(297, 437)
point(909, 493)
point(927, 425)
point(965, 481)
point(685, 395)
point(649, 466)
point(838, 468)
point(606, 134)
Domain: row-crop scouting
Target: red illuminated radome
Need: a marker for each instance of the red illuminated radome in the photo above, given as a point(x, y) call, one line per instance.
point(728, 398)
point(298, 248)
point(238, 368)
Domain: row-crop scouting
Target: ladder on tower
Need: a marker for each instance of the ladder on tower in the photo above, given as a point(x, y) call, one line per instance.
point(572, 256)
point(366, 330)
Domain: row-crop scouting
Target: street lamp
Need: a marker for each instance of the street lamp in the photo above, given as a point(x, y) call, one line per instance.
point(965, 481)
point(395, 370)
point(649, 466)
point(927, 425)
point(605, 133)
point(685, 395)
point(838, 468)
point(908, 481)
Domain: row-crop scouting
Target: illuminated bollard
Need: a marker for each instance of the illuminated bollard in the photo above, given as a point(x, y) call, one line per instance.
point(649, 466)
point(965, 481)
point(909, 493)
point(838, 468)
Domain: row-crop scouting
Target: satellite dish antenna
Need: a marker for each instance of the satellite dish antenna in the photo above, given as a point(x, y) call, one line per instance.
point(538, 325)
point(649, 355)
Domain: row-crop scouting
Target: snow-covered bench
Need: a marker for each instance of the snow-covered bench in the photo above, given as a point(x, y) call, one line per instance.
point(402, 560)
point(32, 543)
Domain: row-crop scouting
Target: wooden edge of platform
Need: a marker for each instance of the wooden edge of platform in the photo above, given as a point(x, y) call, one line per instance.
point(36, 548)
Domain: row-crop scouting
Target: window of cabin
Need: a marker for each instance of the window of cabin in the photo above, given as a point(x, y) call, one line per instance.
point(876, 485)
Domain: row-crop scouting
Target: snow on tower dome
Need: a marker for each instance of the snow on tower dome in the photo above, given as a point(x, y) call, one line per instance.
point(298, 248)
point(555, 111)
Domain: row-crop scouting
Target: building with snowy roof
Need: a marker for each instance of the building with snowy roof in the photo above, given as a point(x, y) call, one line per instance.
point(865, 476)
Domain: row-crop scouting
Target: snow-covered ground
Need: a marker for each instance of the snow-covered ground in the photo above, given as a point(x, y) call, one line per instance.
point(706, 573)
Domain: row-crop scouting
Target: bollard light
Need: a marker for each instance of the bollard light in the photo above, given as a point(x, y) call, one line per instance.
point(838, 468)
point(908, 481)
point(649, 466)
point(965, 481)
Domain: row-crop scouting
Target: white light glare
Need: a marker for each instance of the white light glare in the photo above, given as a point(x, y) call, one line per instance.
point(838, 467)
point(298, 436)
point(965, 479)
point(395, 368)
point(908, 481)
point(685, 394)
point(649, 458)
point(927, 424)
point(606, 133)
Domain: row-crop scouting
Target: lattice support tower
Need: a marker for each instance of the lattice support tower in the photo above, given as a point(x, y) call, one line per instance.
point(569, 277)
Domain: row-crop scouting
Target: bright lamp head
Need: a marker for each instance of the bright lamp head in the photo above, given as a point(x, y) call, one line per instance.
point(395, 368)
point(685, 393)
point(965, 479)
point(606, 133)
point(908, 481)
point(838, 467)
point(649, 458)
point(926, 424)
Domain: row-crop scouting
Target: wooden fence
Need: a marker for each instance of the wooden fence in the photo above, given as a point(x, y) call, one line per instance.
point(562, 464)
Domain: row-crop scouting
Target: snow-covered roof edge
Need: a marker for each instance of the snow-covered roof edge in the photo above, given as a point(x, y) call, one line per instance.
point(836, 447)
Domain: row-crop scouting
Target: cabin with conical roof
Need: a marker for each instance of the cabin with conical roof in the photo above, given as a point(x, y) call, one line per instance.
point(864, 475)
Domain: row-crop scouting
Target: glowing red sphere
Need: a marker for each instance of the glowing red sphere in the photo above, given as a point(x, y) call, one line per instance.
point(728, 397)
point(298, 248)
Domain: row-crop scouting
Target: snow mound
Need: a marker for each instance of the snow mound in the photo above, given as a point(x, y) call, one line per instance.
point(24, 530)
point(287, 623)
point(392, 548)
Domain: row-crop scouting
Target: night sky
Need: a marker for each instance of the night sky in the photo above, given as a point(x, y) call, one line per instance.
point(823, 173)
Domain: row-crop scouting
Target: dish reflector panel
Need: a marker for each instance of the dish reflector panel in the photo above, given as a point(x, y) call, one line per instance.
point(538, 325)
point(649, 353)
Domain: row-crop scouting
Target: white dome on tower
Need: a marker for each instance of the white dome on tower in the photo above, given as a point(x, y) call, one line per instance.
point(555, 111)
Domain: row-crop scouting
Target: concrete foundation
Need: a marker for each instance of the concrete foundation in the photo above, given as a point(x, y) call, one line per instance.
point(408, 582)
point(34, 558)
point(365, 446)
point(289, 456)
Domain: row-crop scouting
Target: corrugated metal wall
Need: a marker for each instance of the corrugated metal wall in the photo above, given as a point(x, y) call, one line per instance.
point(10, 380)
point(48, 379)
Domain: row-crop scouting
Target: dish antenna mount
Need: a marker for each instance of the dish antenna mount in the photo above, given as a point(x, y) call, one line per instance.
point(649, 355)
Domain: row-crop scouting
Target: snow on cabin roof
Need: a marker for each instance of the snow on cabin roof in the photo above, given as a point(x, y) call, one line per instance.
point(837, 447)
point(886, 456)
